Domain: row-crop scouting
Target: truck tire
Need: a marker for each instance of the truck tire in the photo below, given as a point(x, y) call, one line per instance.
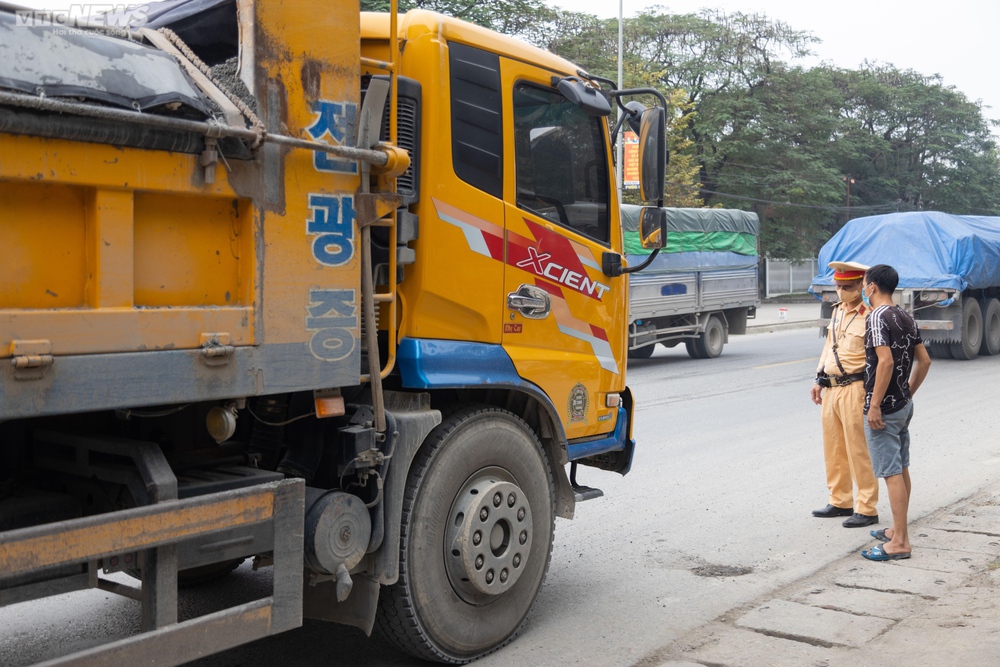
point(642, 352)
point(475, 541)
point(691, 348)
point(710, 343)
point(972, 331)
point(204, 574)
point(939, 350)
point(991, 327)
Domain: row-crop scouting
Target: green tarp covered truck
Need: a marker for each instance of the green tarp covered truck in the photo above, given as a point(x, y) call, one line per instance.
point(700, 288)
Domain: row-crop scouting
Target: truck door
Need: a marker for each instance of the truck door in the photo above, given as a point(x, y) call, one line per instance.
point(564, 320)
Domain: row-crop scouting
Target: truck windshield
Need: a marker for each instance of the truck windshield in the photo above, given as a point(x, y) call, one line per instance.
point(561, 161)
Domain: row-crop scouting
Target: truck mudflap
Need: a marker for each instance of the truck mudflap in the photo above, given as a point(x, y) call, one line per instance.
point(155, 532)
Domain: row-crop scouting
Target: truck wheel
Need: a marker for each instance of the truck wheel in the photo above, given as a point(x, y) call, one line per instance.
point(692, 349)
point(204, 574)
point(476, 538)
point(642, 352)
point(710, 343)
point(972, 331)
point(939, 350)
point(991, 327)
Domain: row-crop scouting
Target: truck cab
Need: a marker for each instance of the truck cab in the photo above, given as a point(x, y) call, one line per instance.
point(515, 206)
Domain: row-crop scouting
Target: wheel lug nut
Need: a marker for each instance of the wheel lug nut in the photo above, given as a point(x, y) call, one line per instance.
point(489, 577)
point(484, 514)
point(511, 499)
point(520, 514)
point(497, 499)
point(503, 576)
point(523, 537)
point(479, 562)
point(477, 537)
point(517, 560)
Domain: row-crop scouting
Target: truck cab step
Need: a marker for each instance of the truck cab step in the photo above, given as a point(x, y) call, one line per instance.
point(586, 493)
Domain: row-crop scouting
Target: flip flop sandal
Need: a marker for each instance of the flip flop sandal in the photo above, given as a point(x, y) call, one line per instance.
point(879, 535)
point(879, 553)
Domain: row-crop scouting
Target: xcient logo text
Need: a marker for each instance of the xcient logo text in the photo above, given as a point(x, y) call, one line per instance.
point(541, 265)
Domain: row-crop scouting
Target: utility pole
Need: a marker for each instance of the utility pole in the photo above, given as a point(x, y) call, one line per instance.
point(619, 140)
point(849, 181)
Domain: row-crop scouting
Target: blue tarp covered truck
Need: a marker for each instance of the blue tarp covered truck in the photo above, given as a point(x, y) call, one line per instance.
point(701, 287)
point(949, 274)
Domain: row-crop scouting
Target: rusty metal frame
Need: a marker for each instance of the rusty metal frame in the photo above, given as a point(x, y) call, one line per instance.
point(151, 481)
point(390, 221)
point(156, 529)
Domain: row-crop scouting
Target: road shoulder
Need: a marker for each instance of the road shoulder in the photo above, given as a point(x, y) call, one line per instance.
point(937, 608)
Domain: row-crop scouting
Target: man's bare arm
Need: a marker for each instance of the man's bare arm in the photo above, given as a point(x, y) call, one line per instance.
point(921, 364)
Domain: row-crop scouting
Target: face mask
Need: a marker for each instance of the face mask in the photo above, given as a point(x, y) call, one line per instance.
point(864, 299)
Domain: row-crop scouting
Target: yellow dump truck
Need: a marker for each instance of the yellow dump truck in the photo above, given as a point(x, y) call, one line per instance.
point(342, 293)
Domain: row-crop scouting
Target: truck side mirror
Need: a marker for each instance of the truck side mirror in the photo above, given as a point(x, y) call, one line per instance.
point(653, 227)
point(633, 117)
point(611, 264)
point(652, 154)
point(586, 97)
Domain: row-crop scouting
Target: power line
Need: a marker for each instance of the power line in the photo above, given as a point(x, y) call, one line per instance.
point(819, 178)
point(835, 209)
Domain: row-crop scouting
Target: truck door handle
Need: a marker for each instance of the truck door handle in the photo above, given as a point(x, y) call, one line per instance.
point(532, 302)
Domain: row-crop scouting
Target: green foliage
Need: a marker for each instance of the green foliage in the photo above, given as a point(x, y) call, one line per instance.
point(917, 141)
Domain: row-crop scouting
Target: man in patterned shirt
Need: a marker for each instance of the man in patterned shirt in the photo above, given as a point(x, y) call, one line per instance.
point(896, 365)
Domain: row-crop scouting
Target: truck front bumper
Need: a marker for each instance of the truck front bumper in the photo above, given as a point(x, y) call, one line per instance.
point(611, 452)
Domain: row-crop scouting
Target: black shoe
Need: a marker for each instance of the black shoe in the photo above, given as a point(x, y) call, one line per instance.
point(830, 511)
point(860, 520)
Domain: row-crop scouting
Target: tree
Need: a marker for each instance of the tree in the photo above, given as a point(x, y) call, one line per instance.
point(917, 143)
point(780, 157)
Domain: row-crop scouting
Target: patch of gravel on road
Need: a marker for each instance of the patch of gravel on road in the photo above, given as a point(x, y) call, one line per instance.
point(721, 570)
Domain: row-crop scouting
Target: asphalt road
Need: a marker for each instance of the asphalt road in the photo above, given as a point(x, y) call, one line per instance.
point(714, 514)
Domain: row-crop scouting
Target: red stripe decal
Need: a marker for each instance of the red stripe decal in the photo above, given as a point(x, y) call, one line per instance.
point(554, 290)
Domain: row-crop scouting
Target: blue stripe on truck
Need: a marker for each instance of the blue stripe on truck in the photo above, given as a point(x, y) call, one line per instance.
point(431, 364)
point(615, 442)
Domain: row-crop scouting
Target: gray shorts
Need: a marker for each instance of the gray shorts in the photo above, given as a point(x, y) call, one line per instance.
point(890, 447)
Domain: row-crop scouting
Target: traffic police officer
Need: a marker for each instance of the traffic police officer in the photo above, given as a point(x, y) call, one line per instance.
point(841, 372)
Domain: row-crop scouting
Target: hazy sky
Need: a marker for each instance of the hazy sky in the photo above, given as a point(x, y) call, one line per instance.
point(957, 39)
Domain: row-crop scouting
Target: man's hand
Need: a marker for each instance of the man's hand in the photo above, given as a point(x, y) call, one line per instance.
point(875, 418)
point(817, 394)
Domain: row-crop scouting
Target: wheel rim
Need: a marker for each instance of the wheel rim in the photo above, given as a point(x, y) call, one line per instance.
point(430, 612)
point(489, 536)
point(714, 335)
point(991, 328)
point(975, 329)
point(715, 339)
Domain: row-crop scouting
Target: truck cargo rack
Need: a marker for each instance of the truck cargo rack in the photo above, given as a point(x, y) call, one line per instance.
point(155, 531)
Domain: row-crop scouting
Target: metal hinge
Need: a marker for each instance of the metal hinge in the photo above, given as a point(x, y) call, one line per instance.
point(215, 349)
point(30, 358)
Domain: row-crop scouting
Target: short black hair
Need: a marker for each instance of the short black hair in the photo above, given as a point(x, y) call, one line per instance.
point(884, 277)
